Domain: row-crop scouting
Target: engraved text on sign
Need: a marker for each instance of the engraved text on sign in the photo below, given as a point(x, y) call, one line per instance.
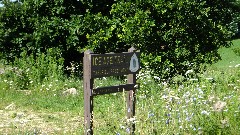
point(103, 65)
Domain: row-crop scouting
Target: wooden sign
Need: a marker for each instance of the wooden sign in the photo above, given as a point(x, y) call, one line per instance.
point(104, 65)
point(115, 64)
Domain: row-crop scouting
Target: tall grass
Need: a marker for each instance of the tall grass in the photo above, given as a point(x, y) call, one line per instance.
point(199, 103)
point(190, 107)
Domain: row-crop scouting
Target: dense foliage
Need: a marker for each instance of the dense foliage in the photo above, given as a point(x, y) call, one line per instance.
point(173, 36)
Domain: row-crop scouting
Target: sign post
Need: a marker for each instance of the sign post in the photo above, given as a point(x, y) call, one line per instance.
point(131, 94)
point(88, 98)
point(104, 65)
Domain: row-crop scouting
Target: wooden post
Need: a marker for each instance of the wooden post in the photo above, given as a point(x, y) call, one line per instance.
point(88, 98)
point(131, 99)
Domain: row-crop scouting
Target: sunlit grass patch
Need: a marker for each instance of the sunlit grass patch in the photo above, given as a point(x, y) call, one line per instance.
point(27, 121)
point(229, 56)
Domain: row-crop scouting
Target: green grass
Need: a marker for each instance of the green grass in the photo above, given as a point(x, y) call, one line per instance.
point(229, 58)
point(182, 107)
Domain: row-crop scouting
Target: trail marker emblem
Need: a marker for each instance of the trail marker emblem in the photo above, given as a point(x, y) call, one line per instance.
point(134, 64)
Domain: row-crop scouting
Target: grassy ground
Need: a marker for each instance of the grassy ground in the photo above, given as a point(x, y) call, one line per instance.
point(207, 103)
point(229, 58)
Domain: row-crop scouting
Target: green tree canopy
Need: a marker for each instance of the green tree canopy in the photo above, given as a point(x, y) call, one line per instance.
point(173, 35)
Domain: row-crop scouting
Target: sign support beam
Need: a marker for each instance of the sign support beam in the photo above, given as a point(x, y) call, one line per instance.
point(88, 98)
point(131, 99)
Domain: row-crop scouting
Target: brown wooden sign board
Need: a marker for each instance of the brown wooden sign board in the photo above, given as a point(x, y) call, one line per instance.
point(115, 64)
point(104, 65)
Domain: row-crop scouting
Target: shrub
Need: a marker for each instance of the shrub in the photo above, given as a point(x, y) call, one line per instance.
point(32, 70)
point(173, 36)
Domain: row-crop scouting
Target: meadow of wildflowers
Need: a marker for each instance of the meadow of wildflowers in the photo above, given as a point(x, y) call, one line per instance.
point(207, 104)
point(196, 103)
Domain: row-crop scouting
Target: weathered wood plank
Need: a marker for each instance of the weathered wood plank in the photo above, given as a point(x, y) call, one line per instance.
point(113, 89)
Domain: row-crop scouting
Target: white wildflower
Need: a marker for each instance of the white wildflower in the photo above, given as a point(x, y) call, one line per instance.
point(224, 123)
point(210, 78)
point(205, 112)
point(193, 79)
point(188, 72)
point(164, 96)
point(238, 65)
point(219, 105)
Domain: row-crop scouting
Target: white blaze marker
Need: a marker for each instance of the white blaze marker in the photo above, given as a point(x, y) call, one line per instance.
point(134, 64)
